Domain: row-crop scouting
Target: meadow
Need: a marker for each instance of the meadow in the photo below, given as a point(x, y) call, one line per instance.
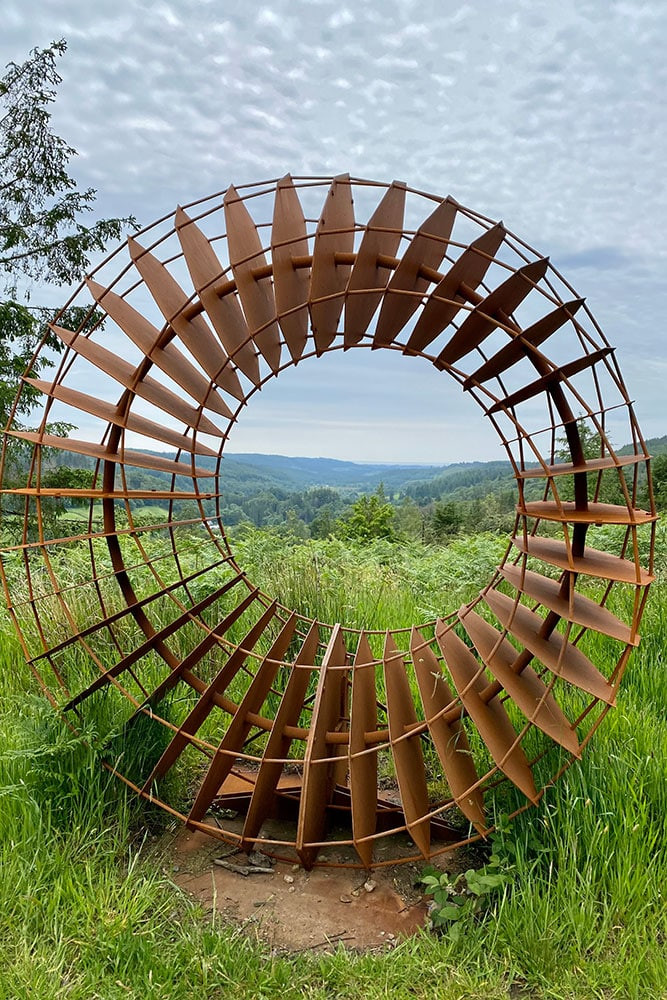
point(86, 912)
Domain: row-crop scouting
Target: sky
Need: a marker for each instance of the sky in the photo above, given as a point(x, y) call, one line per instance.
point(548, 116)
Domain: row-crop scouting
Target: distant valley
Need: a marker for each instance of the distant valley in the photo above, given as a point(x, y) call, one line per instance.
point(296, 473)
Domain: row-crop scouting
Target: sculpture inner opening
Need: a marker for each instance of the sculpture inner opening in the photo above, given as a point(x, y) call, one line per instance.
point(207, 695)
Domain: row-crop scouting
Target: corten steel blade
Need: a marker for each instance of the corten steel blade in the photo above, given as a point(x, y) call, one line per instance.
point(324, 733)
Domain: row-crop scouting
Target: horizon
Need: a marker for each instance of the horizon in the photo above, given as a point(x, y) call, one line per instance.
point(350, 461)
point(571, 158)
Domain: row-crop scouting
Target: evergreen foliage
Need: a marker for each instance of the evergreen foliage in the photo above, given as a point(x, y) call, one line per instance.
point(43, 237)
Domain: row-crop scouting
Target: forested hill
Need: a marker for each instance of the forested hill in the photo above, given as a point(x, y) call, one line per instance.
point(294, 473)
point(246, 471)
point(656, 446)
point(318, 497)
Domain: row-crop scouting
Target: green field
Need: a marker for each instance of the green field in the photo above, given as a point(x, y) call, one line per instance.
point(85, 912)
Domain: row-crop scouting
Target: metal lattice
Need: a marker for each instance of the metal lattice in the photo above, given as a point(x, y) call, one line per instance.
point(262, 709)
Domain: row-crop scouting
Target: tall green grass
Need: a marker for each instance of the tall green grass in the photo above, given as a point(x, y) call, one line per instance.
point(87, 911)
point(373, 586)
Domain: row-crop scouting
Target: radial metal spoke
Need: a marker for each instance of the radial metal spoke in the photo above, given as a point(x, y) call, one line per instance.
point(322, 733)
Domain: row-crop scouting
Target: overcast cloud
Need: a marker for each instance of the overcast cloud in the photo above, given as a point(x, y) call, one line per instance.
point(548, 116)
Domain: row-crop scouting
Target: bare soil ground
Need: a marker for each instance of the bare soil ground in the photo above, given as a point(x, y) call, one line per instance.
point(291, 909)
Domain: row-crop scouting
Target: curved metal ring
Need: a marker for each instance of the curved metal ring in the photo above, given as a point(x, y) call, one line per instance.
point(214, 696)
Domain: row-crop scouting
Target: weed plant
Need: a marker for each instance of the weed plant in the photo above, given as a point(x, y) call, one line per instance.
point(86, 910)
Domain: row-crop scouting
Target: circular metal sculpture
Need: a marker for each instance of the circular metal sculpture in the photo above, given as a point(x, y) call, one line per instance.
point(213, 695)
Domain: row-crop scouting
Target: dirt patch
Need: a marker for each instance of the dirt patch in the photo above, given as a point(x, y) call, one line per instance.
point(291, 909)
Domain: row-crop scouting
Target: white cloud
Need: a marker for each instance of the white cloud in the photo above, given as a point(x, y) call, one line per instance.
point(341, 19)
point(550, 117)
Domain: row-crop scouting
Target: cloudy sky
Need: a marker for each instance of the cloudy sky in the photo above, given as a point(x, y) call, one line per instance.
point(550, 116)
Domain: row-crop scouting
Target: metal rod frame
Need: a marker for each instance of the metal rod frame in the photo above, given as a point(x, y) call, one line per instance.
point(498, 697)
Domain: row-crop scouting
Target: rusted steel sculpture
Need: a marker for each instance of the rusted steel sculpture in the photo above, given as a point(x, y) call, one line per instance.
point(201, 673)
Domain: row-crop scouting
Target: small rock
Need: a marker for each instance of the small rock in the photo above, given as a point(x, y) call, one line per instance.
point(295, 868)
point(291, 888)
point(288, 878)
point(370, 885)
point(345, 899)
point(176, 868)
point(356, 892)
point(391, 937)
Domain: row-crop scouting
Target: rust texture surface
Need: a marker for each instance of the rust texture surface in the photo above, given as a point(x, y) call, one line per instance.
point(206, 695)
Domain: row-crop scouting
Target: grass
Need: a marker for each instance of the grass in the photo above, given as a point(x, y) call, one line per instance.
point(85, 914)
